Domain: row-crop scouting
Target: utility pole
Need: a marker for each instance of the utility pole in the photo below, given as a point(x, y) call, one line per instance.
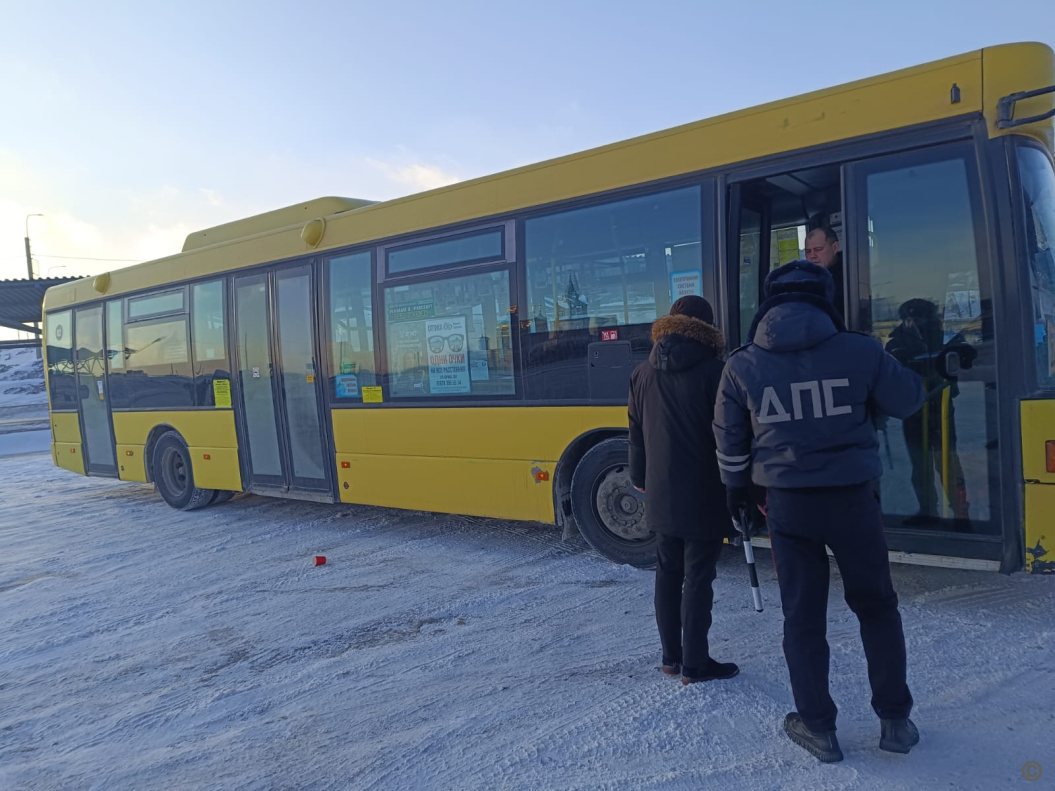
point(29, 255)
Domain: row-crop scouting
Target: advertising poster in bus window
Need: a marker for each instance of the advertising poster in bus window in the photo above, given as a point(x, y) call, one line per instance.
point(684, 284)
point(408, 311)
point(448, 356)
point(407, 353)
point(221, 389)
point(787, 242)
point(347, 385)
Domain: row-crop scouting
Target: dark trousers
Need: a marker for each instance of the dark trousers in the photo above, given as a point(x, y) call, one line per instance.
point(685, 571)
point(847, 519)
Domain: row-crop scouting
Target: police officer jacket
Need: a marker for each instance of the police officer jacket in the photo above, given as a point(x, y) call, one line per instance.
point(672, 451)
point(796, 406)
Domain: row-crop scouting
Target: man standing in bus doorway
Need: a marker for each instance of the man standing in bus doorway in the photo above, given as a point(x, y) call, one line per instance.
point(793, 415)
point(822, 248)
point(671, 408)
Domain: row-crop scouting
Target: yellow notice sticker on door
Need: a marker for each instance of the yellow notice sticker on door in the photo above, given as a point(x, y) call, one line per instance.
point(221, 390)
point(372, 395)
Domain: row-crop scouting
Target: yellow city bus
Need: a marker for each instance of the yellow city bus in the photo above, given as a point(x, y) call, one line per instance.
point(468, 349)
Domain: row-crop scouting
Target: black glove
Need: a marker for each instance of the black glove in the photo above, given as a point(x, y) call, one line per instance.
point(967, 354)
point(742, 509)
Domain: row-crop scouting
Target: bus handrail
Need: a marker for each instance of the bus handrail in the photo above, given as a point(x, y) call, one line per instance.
point(1006, 108)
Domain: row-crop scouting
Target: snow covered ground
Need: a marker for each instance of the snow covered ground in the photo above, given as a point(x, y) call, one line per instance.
point(145, 648)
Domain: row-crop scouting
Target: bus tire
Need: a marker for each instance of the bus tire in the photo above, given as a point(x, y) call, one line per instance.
point(174, 476)
point(610, 513)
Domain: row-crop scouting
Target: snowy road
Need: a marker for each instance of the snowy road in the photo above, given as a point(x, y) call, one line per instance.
point(145, 648)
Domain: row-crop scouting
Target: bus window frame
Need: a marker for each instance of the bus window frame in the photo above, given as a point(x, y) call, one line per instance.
point(324, 320)
point(182, 286)
point(432, 275)
point(710, 185)
point(505, 227)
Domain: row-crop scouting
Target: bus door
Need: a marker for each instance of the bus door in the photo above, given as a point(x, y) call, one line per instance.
point(281, 398)
point(919, 252)
point(912, 254)
point(93, 398)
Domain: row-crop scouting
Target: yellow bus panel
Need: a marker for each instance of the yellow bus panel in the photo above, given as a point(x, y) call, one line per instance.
point(501, 489)
point(1038, 428)
point(1040, 528)
point(68, 456)
point(131, 463)
point(1013, 68)
point(527, 433)
point(66, 450)
point(426, 458)
point(66, 427)
point(208, 432)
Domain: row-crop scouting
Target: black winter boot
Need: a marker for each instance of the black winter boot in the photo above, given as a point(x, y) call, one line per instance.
point(898, 736)
point(712, 671)
point(824, 746)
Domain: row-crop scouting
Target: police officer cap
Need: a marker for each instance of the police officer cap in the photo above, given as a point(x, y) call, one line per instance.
point(800, 277)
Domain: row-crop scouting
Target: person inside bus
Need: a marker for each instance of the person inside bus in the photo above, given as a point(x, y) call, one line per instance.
point(822, 247)
point(918, 343)
point(672, 460)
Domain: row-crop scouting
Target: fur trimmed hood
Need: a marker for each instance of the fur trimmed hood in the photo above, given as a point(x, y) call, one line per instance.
point(693, 329)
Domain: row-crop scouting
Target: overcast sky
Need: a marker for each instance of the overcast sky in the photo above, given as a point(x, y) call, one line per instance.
point(130, 124)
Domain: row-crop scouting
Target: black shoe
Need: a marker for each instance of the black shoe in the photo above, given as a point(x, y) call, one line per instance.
point(824, 746)
point(898, 736)
point(712, 671)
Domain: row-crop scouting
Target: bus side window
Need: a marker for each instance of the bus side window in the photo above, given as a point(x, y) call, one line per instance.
point(351, 326)
point(61, 380)
point(601, 273)
point(210, 352)
point(450, 336)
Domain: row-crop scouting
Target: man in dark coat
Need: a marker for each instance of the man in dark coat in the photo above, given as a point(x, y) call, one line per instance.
point(672, 459)
point(795, 414)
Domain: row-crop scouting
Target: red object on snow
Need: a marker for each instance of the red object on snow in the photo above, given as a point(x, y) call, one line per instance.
point(320, 560)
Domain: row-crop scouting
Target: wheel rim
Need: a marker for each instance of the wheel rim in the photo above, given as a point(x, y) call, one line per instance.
point(619, 507)
point(174, 470)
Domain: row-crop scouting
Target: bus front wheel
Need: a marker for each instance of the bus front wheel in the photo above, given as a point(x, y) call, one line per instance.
point(174, 476)
point(610, 513)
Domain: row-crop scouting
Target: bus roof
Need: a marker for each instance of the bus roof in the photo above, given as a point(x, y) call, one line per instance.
point(905, 98)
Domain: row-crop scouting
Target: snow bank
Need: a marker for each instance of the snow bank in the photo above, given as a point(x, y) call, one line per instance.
point(21, 378)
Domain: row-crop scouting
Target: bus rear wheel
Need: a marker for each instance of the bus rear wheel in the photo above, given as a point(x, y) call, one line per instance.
point(610, 513)
point(174, 476)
